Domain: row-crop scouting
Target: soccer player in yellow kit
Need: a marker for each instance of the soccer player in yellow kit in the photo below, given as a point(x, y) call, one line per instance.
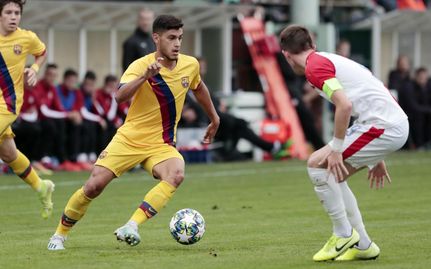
point(157, 84)
point(15, 45)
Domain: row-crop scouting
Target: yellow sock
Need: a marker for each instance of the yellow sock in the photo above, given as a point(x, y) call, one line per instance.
point(74, 211)
point(21, 167)
point(153, 202)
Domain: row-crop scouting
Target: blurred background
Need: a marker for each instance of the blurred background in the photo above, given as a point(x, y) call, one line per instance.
point(267, 112)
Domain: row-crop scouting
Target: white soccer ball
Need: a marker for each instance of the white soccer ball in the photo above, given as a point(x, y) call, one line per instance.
point(187, 226)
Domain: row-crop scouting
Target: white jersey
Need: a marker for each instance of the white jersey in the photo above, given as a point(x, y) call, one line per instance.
point(371, 101)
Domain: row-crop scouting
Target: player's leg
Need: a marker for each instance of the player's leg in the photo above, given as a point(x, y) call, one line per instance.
point(78, 204)
point(21, 166)
point(167, 165)
point(329, 193)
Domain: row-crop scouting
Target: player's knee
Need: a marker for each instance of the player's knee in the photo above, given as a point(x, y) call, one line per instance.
point(177, 177)
point(8, 155)
point(313, 161)
point(95, 185)
point(93, 189)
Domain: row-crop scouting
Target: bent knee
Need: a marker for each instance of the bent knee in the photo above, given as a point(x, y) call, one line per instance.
point(176, 177)
point(96, 184)
point(314, 161)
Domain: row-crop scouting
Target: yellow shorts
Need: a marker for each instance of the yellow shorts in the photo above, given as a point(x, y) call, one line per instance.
point(6, 121)
point(120, 157)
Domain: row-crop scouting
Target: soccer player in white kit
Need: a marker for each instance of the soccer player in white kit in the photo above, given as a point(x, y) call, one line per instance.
point(380, 127)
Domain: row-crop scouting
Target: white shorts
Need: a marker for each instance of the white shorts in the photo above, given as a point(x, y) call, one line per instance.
point(366, 145)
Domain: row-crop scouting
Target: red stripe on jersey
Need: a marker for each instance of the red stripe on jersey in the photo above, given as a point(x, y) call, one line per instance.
point(318, 69)
point(362, 141)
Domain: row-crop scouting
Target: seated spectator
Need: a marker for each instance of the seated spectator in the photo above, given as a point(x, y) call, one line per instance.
point(72, 101)
point(28, 130)
point(415, 99)
point(53, 118)
point(93, 125)
point(400, 76)
point(109, 110)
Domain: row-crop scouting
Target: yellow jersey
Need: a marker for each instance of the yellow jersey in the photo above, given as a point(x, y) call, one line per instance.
point(156, 106)
point(14, 49)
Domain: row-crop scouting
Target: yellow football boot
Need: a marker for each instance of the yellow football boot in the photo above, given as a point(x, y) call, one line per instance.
point(336, 246)
point(371, 253)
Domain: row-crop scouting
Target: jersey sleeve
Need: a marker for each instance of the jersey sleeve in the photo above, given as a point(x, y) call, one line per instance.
point(320, 72)
point(37, 47)
point(196, 77)
point(135, 70)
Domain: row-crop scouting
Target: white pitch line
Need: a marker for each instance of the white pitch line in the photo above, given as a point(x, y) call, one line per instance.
point(218, 174)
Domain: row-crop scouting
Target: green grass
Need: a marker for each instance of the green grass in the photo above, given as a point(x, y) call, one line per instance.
point(262, 215)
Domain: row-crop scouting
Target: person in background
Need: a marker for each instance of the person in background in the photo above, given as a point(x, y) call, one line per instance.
point(343, 48)
point(140, 43)
point(93, 125)
point(108, 109)
point(72, 102)
point(53, 117)
point(400, 76)
point(415, 99)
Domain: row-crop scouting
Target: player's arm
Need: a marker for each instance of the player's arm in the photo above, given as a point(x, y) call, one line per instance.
point(204, 99)
point(126, 91)
point(31, 73)
point(343, 109)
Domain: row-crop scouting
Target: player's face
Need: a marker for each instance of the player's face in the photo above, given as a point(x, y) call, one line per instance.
point(10, 18)
point(297, 69)
point(169, 43)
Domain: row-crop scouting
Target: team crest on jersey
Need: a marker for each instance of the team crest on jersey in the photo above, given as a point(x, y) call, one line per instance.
point(103, 155)
point(185, 82)
point(17, 49)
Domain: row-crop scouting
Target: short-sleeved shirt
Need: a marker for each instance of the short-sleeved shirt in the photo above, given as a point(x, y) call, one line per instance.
point(156, 106)
point(371, 101)
point(14, 49)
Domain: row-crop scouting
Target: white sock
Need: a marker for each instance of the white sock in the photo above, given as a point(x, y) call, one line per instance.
point(330, 196)
point(354, 215)
point(133, 224)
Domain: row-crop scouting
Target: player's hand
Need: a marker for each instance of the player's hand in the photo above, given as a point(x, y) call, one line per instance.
point(30, 76)
point(211, 132)
point(154, 68)
point(336, 165)
point(378, 175)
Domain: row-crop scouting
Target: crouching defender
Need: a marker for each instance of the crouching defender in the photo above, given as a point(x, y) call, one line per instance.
point(381, 127)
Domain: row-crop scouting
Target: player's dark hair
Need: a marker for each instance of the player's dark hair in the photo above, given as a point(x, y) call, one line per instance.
point(20, 3)
point(90, 75)
point(110, 78)
point(166, 22)
point(69, 73)
point(296, 39)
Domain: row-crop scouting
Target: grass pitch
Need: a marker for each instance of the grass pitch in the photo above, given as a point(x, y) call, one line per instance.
point(262, 215)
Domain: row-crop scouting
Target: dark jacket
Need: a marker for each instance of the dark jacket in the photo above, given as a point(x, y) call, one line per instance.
point(136, 46)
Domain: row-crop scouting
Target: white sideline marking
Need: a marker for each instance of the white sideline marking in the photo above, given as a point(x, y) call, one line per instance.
point(230, 173)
